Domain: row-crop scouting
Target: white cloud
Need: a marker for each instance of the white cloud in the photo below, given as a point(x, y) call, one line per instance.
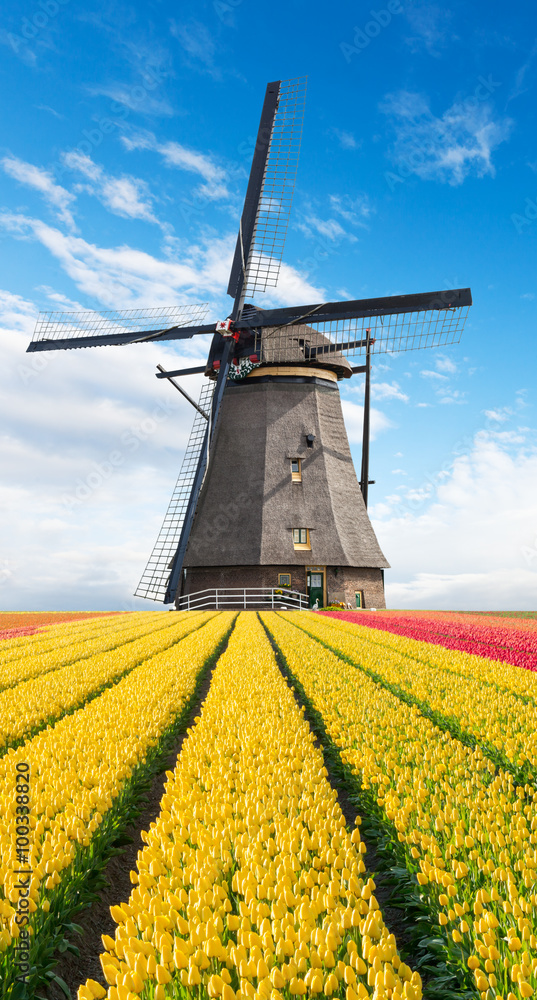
point(292, 288)
point(199, 45)
point(434, 375)
point(447, 148)
point(451, 396)
point(501, 590)
point(500, 415)
point(380, 390)
point(126, 196)
point(329, 228)
point(353, 415)
point(42, 180)
point(429, 22)
point(176, 155)
point(346, 139)
point(83, 163)
point(134, 97)
point(444, 364)
point(353, 210)
point(466, 538)
point(123, 277)
point(387, 390)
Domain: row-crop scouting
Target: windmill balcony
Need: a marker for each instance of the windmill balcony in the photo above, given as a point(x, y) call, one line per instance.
point(243, 597)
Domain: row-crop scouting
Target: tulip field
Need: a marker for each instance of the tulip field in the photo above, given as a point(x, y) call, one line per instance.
point(351, 811)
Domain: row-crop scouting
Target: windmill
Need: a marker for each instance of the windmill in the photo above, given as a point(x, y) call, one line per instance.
point(267, 494)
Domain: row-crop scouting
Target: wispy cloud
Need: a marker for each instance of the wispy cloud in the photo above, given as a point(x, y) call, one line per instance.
point(380, 390)
point(135, 97)
point(126, 196)
point(184, 158)
point(444, 364)
point(346, 139)
point(42, 181)
point(51, 111)
point(429, 24)
point(125, 277)
point(521, 84)
point(199, 46)
point(331, 229)
point(122, 277)
point(451, 397)
point(353, 415)
point(500, 415)
point(434, 375)
point(353, 210)
point(387, 390)
point(447, 148)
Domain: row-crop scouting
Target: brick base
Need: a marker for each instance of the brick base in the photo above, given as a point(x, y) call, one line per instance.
point(342, 582)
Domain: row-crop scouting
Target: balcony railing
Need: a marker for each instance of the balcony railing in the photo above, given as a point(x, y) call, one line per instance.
point(243, 597)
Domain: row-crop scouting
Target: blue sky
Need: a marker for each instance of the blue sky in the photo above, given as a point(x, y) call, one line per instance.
point(126, 146)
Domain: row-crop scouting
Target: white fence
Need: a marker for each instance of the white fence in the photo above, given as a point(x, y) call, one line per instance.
point(243, 597)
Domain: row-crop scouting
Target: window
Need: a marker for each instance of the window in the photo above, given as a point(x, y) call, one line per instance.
point(296, 470)
point(284, 579)
point(301, 538)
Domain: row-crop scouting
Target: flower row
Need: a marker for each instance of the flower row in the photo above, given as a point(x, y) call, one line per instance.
point(59, 636)
point(45, 653)
point(501, 721)
point(43, 699)
point(28, 625)
point(468, 831)
point(250, 884)
point(10, 620)
point(510, 645)
point(503, 676)
point(78, 770)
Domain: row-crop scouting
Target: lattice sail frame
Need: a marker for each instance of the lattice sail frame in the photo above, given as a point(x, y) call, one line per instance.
point(274, 208)
point(346, 337)
point(154, 582)
point(53, 326)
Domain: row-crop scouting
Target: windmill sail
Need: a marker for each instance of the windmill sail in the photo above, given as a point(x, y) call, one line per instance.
point(267, 206)
point(154, 582)
point(64, 331)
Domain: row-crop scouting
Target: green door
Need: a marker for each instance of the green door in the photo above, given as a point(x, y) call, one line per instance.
point(315, 582)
